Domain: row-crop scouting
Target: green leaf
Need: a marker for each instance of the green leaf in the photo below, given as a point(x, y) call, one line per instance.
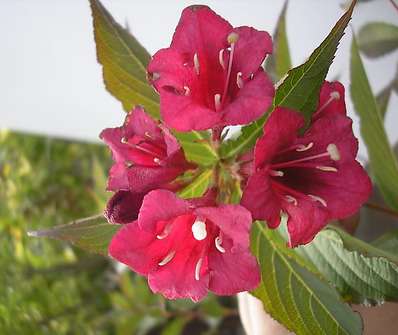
point(383, 163)
point(361, 272)
point(198, 186)
point(299, 91)
point(388, 242)
point(279, 62)
point(124, 61)
point(294, 296)
point(197, 148)
point(376, 39)
point(92, 234)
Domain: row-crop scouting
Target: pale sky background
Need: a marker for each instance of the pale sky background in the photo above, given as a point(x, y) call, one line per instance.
point(50, 81)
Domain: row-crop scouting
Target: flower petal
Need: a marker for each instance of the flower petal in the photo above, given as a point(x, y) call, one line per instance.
point(331, 100)
point(304, 222)
point(224, 277)
point(250, 50)
point(123, 207)
point(280, 131)
point(261, 200)
point(118, 179)
point(251, 101)
point(234, 221)
point(160, 205)
point(130, 246)
point(176, 279)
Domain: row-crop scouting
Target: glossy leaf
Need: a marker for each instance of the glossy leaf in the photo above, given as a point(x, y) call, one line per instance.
point(299, 91)
point(383, 163)
point(124, 61)
point(92, 234)
point(361, 272)
point(295, 296)
point(376, 39)
point(198, 186)
point(279, 62)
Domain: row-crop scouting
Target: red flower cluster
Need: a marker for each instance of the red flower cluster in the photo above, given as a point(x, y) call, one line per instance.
point(211, 77)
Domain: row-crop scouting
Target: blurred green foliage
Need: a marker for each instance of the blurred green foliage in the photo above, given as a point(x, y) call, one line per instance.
point(50, 287)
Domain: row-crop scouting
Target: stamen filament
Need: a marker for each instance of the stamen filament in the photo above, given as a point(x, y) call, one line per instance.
point(333, 96)
point(197, 268)
point(231, 56)
point(164, 233)
point(167, 259)
point(293, 162)
point(221, 58)
point(196, 63)
point(319, 199)
point(218, 242)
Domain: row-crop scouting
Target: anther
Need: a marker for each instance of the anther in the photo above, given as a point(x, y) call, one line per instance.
point(327, 168)
point(156, 160)
point(196, 63)
point(333, 152)
point(167, 259)
point(199, 229)
point(124, 140)
point(187, 90)
point(302, 147)
point(239, 80)
point(218, 242)
point(217, 101)
point(232, 38)
point(319, 199)
point(221, 58)
point(276, 173)
point(147, 134)
point(291, 199)
point(197, 268)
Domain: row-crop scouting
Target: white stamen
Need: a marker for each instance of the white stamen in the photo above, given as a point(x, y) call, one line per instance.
point(124, 140)
point(167, 259)
point(164, 233)
point(197, 268)
point(239, 80)
point(147, 134)
point(128, 164)
point(251, 76)
point(196, 63)
point(156, 160)
point(291, 199)
point(221, 58)
point(199, 229)
point(316, 198)
point(217, 101)
point(218, 242)
point(303, 147)
point(276, 173)
point(327, 168)
point(333, 152)
point(187, 90)
point(333, 96)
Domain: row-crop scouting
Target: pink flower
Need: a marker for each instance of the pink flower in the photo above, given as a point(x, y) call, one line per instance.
point(211, 75)
point(307, 179)
point(146, 155)
point(186, 248)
